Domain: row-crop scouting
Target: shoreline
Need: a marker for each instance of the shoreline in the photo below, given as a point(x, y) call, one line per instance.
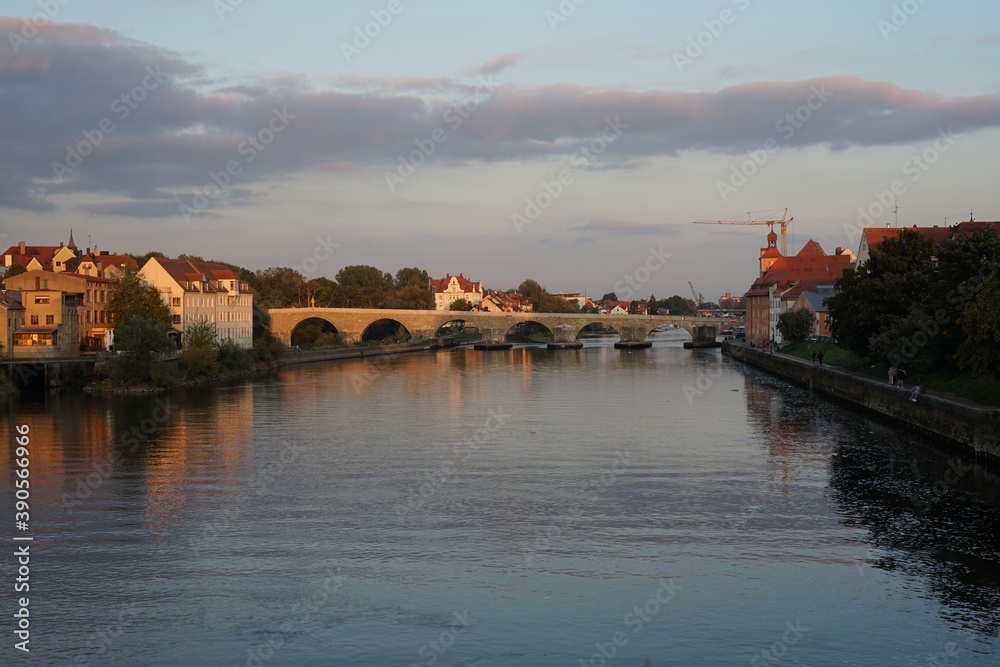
point(956, 422)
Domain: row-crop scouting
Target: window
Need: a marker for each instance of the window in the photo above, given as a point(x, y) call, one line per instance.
point(176, 302)
point(88, 317)
point(42, 299)
point(175, 319)
point(50, 319)
point(34, 320)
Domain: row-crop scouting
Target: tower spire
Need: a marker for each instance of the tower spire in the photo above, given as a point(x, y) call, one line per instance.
point(72, 244)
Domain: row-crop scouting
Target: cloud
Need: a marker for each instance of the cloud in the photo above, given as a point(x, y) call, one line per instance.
point(498, 64)
point(628, 227)
point(87, 110)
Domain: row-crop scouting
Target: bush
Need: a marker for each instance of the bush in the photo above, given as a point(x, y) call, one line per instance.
point(267, 349)
point(232, 359)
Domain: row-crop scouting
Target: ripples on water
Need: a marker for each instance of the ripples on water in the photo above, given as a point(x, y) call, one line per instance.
point(372, 512)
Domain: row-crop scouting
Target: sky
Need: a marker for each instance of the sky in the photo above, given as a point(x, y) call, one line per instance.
point(572, 142)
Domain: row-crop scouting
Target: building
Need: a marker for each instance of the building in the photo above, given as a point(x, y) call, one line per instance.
point(815, 302)
point(615, 308)
point(50, 328)
point(92, 295)
point(451, 288)
point(505, 302)
point(203, 292)
point(872, 236)
point(39, 258)
point(102, 264)
point(581, 302)
point(12, 314)
point(783, 279)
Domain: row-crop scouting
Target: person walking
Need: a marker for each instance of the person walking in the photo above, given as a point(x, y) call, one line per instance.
point(901, 377)
point(820, 357)
point(814, 357)
point(892, 375)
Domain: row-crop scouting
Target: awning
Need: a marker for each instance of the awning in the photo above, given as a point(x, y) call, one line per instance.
point(37, 330)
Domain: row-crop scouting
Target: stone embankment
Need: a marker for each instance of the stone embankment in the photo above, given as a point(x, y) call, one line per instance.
point(950, 420)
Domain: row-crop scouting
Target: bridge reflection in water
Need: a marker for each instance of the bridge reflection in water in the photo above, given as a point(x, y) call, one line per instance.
point(352, 323)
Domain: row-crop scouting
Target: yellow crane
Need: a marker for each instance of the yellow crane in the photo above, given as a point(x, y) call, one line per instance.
point(782, 221)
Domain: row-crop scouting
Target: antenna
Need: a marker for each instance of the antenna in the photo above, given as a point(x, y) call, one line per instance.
point(895, 211)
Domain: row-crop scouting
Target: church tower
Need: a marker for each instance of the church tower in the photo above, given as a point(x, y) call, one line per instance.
point(770, 254)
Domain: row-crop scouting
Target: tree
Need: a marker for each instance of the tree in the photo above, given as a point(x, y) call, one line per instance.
point(141, 260)
point(651, 303)
point(279, 287)
point(677, 305)
point(980, 320)
point(542, 301)
point(412, 277)
point(878, 294)
point(139, 342)
point(609, 297)
point(199, 356)
point(796, 325)
point(133, 297)
point(364, 286)
point(460, 305)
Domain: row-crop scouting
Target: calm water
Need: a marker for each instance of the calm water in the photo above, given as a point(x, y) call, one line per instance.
point(527, 507)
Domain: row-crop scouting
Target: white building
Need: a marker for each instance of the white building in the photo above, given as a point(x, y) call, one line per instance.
point(203, 291)
point(451, 288)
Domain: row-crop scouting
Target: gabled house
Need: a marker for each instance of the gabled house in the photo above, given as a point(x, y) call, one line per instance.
point(814, 301)
point(39, 258)
point(50, 328)
point(504, 302)
point(451, 288)
point(783, 279)
point(615, 308)
point(91, 295)
point(872, 236)
point(203, 291)
point(102, 264)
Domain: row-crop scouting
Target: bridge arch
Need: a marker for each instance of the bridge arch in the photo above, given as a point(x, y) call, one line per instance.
point(533, 330)
point(310, 329)
point(386, 329)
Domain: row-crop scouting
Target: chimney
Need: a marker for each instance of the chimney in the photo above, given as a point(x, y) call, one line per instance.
point(21, 249)
point(839, 250)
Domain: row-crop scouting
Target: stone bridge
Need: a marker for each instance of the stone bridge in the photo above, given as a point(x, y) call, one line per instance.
point(352, 323)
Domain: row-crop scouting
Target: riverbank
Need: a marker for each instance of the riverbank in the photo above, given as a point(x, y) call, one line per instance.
point(955, 422)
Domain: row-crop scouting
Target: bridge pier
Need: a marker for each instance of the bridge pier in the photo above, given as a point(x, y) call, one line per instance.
point(703, 336)
point(632, 338)
point(422, 334)
point(564, 338)
point(493, 339)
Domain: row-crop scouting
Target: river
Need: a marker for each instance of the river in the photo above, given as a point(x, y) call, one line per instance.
point(505, 508)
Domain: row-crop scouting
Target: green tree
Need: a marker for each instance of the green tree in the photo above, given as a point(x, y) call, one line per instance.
point(365, 286)
point(980, 320)
point(872, 297)
point(609, 297)
point(133, 297)
point(279, 287)
point(141, 260)
point(651, 303)
point(199, 356)
point(412, 277)
point(795, 325)
point(460, 305)
point(139, 342)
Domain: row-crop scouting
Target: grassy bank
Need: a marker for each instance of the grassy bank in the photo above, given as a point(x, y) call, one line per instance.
point(983, 390)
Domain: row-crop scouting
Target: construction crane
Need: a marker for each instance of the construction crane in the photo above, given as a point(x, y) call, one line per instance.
point(764, 221)
point(698, 298)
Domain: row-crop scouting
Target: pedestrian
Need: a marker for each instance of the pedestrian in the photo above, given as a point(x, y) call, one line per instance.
point(814, 357)
point(892, 375)
point(820, 357)
point(917, 390)
point(901, 377)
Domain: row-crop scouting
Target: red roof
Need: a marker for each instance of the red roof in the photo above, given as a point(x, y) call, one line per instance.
point(807, 269)
point(43, 253)
point(185, 271)
point(464, 284)
point(940, 235)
